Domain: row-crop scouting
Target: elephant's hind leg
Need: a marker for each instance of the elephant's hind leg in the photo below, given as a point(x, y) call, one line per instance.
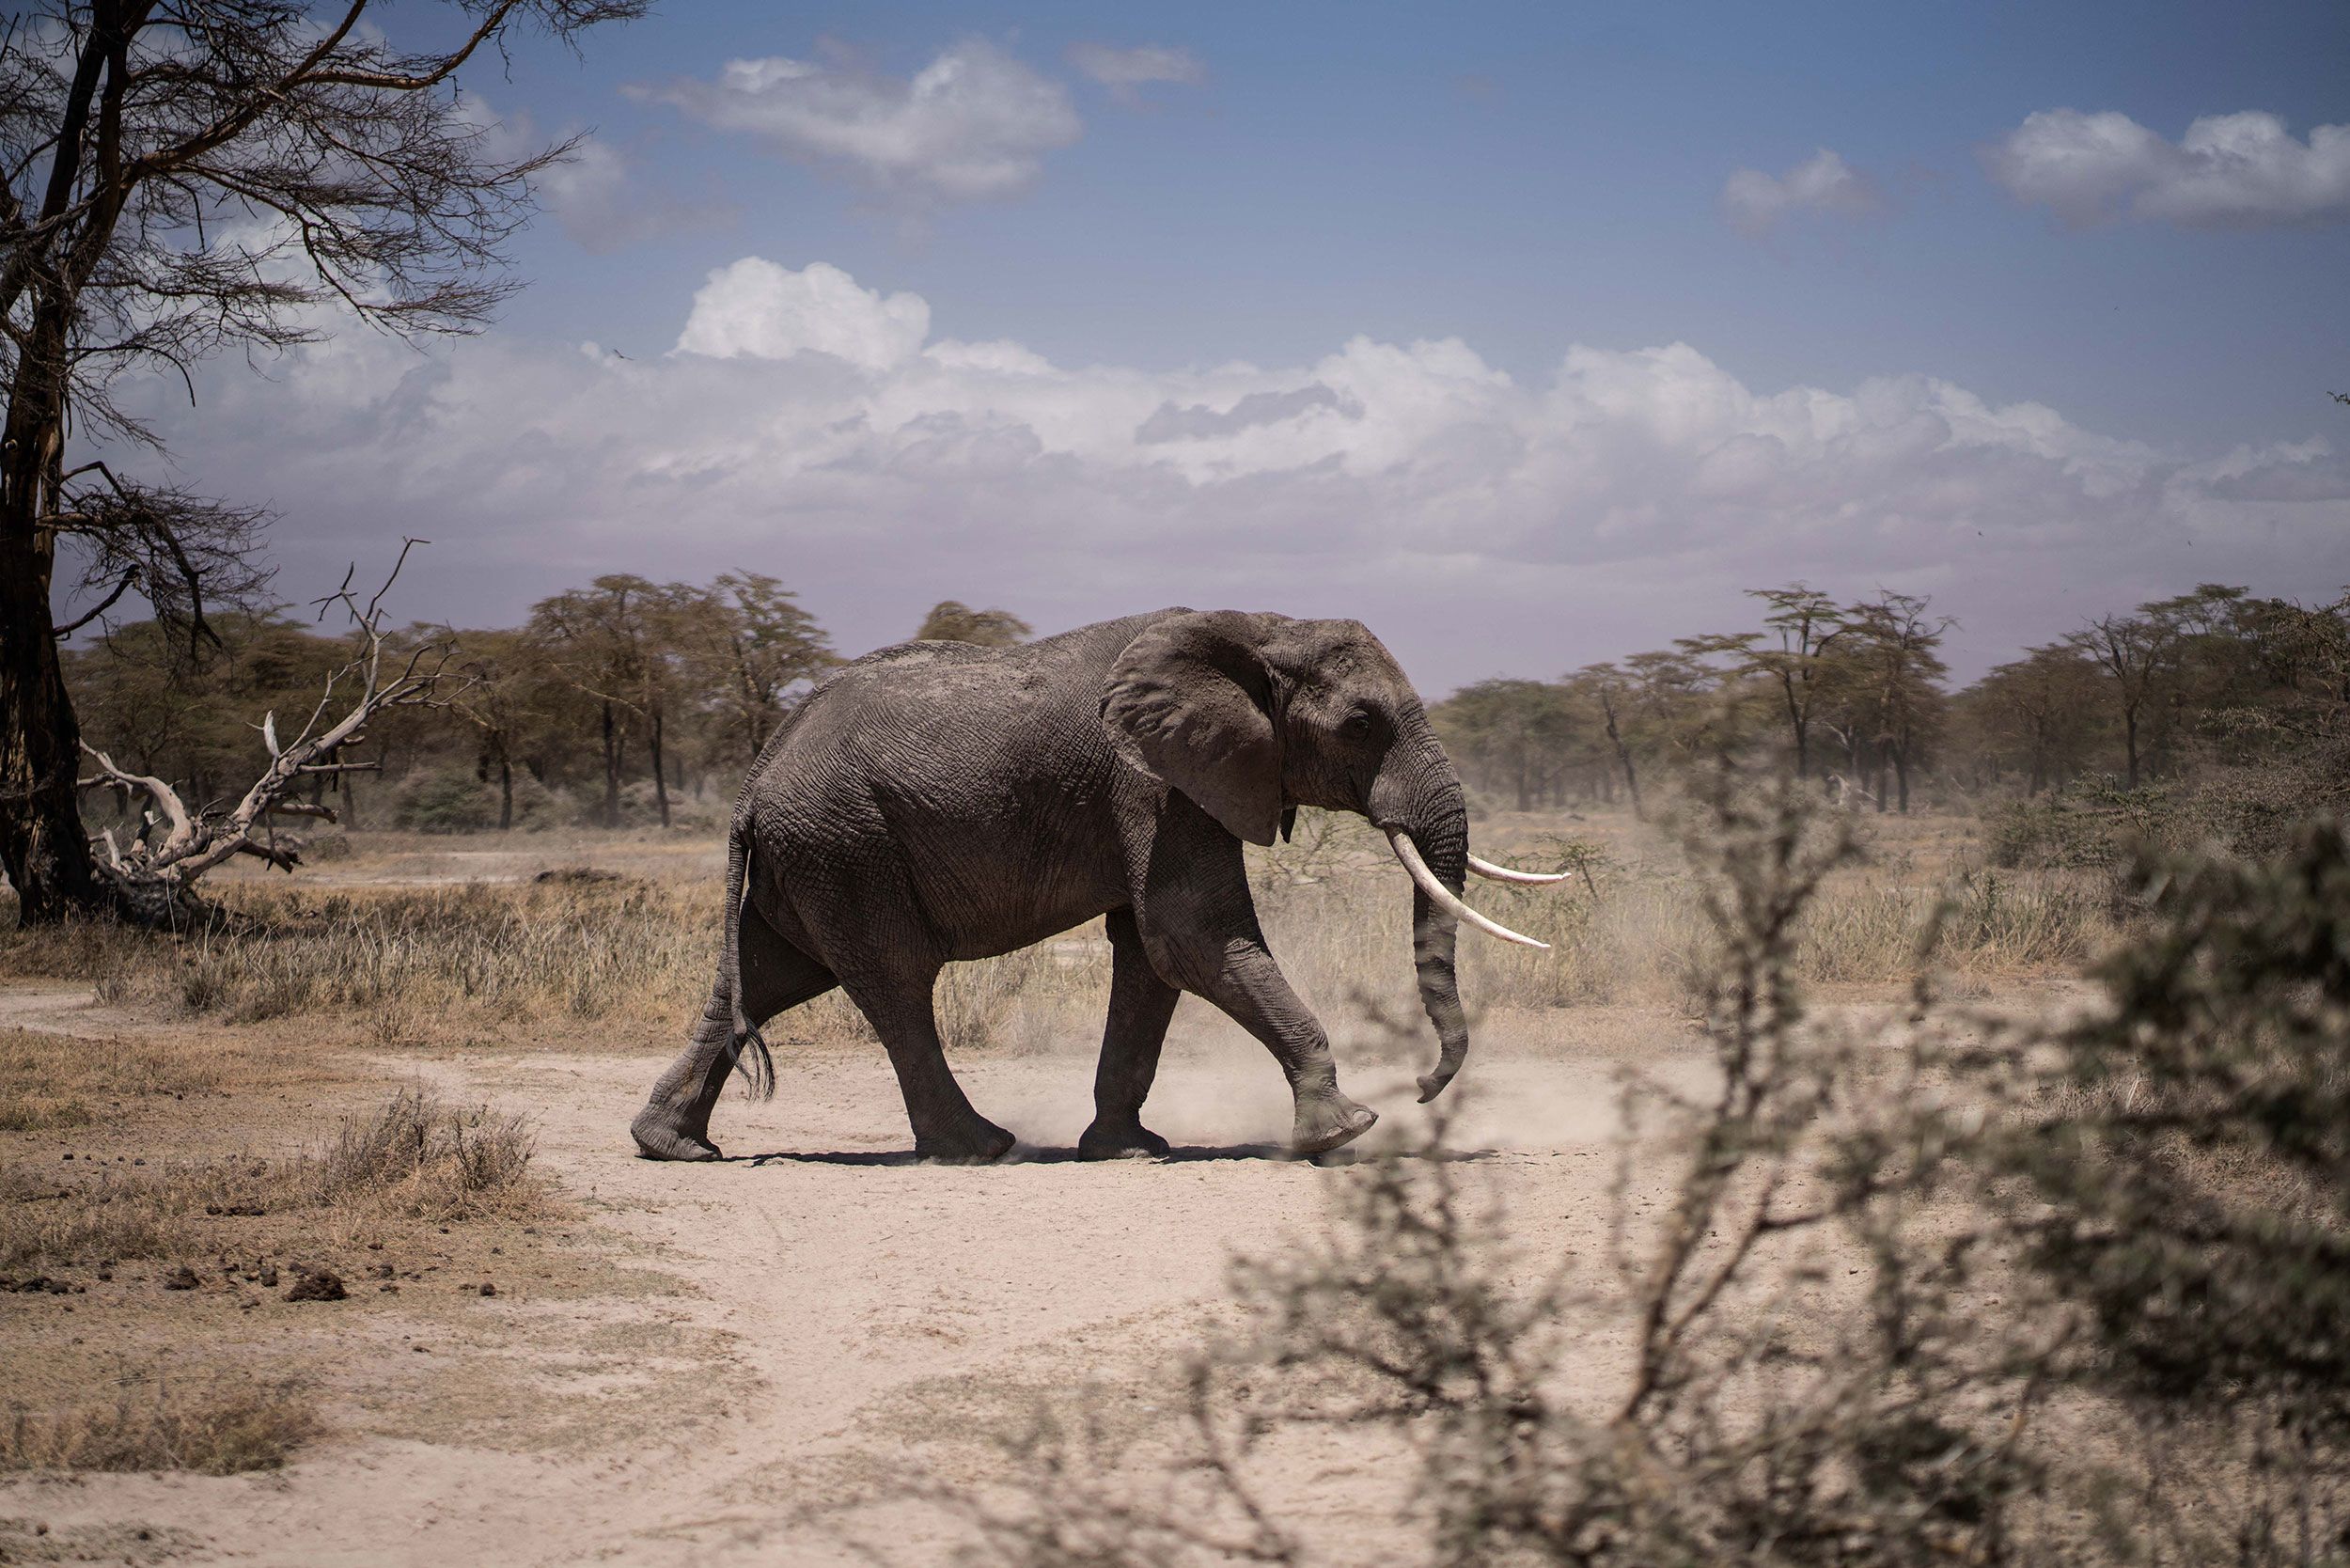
point(898, 1005)
point(1140, 1006)
point(674, 1123)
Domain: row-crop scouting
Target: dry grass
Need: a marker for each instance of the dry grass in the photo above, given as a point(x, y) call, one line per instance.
point(55, 1081)
point(1628, 930)
point(420, 1157)
point(521, 960)
point(217, 1429)
point(413, 1157)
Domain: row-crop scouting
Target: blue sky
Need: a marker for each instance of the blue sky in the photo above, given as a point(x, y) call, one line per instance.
point(2149, 337)
point(1530, 176)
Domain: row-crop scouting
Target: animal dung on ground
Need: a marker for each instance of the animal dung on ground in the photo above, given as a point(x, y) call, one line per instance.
point(320, 1285)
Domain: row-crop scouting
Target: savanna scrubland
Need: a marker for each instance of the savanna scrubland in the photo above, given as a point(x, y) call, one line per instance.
point(1923, 1143)
point(1919, 1143)
point(1842, 1187)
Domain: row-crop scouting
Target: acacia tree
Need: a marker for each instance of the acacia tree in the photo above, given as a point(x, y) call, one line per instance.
point(1510, 733)
point(2136, 654)
point(1900, 671)
point(498, 669)
point(952, 620)
point(751, 646)
point(178, 177)
point(1611, 691)
point(606, 640)
point(1808, 625)
point(2041, 704)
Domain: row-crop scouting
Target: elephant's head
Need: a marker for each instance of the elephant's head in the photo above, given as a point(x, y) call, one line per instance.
point(1253, 716)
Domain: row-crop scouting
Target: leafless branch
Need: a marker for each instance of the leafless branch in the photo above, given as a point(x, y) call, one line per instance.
point(378, 677)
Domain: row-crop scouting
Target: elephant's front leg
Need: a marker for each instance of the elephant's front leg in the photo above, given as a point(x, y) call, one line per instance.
point(1252, 988)
point(1140, 1005)
point(1237, 973)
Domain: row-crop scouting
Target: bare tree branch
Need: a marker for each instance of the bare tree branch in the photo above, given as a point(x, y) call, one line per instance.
point(378, 677)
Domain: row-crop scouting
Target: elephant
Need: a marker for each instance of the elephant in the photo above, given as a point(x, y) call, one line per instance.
point(935, 802)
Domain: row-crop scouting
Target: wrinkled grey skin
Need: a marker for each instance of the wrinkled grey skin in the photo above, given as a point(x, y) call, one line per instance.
point(935, 802)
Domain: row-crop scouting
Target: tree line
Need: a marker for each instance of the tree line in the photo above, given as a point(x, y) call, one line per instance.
point(612, 702)
point(607, 704)
point(1856, 696)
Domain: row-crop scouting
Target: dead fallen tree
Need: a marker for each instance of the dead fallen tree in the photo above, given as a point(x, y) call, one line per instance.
point(153, 877)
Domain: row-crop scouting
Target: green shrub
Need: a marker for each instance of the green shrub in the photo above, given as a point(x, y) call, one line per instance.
point(445, 800)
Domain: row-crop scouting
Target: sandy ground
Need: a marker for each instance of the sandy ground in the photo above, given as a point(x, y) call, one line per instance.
point(835, 1318)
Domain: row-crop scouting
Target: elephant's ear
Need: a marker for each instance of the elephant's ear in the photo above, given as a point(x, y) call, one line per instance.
point(1191, 700)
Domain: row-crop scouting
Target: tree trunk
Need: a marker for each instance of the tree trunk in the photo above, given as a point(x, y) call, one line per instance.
point(1624, 757)
point(2129, 733)
point(506, 793)
point(611, 771)
point(1900, 775)
point(42, 845)
point(660, 773)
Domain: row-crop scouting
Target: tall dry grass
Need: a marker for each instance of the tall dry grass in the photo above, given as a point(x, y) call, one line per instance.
point(1626, 930)
point(219, 1428)
point(528, 962)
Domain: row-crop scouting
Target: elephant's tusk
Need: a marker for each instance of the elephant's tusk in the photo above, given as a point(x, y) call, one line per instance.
point(1510, 873)
point(1444, 897)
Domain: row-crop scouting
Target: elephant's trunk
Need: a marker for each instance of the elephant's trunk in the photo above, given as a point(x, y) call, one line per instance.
point(1418, 796)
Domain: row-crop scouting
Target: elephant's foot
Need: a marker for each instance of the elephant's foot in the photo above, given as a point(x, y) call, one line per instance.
point(1325, 1122)
point(978, 1142)
point(661, 1134)
point(1127, 1140)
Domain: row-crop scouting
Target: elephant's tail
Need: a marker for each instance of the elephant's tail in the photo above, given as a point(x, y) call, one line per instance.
point(751, 1057)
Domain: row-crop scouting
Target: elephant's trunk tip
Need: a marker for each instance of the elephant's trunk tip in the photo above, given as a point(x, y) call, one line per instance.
point(1449, 1063)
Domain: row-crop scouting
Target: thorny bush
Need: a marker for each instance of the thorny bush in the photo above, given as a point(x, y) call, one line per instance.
point(2079, 1291)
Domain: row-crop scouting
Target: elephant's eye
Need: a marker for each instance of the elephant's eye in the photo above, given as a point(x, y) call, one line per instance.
point(1358, 722)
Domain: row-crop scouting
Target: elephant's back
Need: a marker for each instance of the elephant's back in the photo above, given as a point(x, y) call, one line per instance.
point(965, 733)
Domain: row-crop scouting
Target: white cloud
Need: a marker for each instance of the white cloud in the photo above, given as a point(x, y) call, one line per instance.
point(1755, 203)
point(972, 125)
point(806, 427)
point(2241, 170)
point(1124, 71)
point(755, 308)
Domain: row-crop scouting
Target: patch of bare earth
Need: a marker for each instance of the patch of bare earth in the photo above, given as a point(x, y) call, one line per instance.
point(746, 1362)
point(708, 1363)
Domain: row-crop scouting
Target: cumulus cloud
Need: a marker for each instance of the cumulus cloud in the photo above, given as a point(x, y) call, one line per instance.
point(811, 427)
point(972, 125)
point(1755, 203)
point(2242, 170)
point(1125, 71)
point(755, 308)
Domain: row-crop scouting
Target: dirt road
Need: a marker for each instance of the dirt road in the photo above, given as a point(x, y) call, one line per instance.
point(826, 1315)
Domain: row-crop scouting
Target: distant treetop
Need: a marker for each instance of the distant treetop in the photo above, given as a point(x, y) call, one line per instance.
point(952, 620)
